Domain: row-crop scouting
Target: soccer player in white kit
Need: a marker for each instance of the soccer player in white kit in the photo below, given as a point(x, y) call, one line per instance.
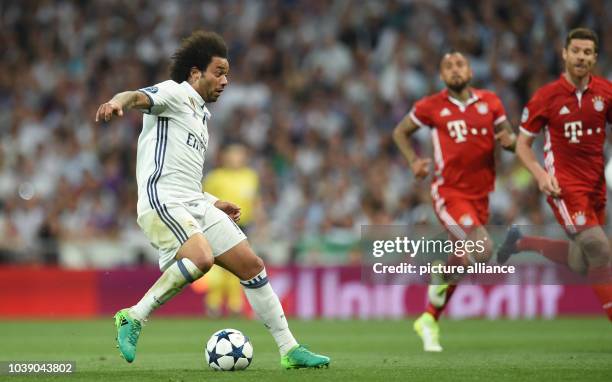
point(192, 230)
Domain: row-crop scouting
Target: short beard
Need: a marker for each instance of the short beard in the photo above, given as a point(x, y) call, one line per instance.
point(458, 88)
point(211, 98)
point(573, 73)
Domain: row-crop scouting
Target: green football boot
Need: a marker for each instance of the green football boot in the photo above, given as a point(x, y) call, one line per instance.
point(128, 331)
point(300, 357)
point(427, 328)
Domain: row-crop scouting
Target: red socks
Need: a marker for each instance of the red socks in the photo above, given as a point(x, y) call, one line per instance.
point(555, 250)
point(435, 311)
point(602, 286)
point(604, 294)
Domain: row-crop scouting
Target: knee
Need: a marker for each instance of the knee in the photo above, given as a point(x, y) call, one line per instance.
point(482, 252)
point(256, 265)
point(596, 251)
point(577, 264)
point(200, 256)
point(488, 249)
point(204, 261)
point(199, 252)
point(251, 266)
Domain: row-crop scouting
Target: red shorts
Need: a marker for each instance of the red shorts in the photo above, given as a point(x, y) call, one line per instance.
point(460, 215)
point(577, 211)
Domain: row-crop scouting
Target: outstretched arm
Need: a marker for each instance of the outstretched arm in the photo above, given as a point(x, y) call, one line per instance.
point(547, 183)
point(120, 102)
point(401, 136)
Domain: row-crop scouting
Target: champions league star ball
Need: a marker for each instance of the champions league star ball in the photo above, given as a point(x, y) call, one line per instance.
point(228, 350)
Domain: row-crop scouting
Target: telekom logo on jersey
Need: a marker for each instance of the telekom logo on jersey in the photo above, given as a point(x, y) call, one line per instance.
point(457, 130)
point(573, 130)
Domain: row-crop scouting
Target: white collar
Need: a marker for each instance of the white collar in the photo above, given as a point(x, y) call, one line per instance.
point(463, 105)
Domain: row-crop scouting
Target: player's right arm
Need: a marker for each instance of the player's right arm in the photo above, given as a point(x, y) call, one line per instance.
point(154, 100)
point(401, 136)
point(532, 121)
point(547, 183)
point(120, 102)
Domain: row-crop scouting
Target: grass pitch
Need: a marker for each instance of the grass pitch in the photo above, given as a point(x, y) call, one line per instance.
point(171, 350)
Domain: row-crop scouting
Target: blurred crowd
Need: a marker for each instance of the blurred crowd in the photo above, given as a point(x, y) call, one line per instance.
point(316, 88)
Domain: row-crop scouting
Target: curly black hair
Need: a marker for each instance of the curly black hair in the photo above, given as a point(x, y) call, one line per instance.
point(196, 50)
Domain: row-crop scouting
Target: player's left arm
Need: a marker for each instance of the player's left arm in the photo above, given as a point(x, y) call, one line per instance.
point(505, 135)
point(232, 210)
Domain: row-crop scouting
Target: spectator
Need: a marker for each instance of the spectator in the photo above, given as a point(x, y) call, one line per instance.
point(315, 88)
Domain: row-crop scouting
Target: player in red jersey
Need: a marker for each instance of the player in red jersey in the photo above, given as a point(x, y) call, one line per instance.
point(573, 112)
point(465, 123)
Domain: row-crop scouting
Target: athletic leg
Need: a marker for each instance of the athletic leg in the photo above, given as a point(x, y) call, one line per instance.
point(597, 254)
point(186, 256)
point(249, 268)
point(463, 220)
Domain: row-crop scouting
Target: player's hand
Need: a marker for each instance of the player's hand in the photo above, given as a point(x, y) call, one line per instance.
point(420, 167)
point(506, 139)
point(232, 210)
point(107, 110)
point(549, 185)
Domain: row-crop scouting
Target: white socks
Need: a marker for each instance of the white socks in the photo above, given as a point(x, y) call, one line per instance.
point(170, 283)
point(258, 291)
point(268, 308)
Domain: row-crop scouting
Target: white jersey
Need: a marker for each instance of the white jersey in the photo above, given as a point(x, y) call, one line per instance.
point(171, 147)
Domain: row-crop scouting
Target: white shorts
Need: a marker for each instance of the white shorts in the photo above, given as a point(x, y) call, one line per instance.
point(169, 229)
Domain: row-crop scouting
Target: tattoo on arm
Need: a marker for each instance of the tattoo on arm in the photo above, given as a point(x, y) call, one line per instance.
point(507, 127)
point(132, 100)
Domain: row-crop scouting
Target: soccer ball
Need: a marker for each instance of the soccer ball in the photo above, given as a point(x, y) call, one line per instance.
point(228, 350)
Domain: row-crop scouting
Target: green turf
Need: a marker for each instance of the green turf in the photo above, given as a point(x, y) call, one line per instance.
point(475, 350)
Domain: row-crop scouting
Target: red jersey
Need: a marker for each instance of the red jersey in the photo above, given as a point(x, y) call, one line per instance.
point(574, 123)
point(463, 140)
